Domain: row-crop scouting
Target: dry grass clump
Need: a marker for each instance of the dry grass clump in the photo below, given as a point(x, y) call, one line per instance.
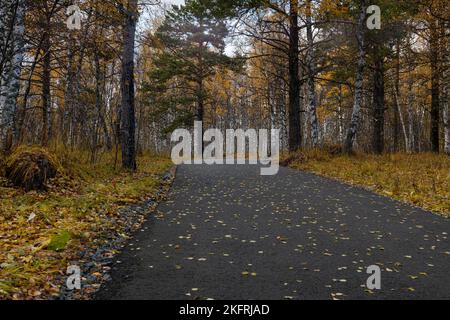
point(31, 167)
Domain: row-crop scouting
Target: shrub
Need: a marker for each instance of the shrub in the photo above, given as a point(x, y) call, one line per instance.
point(31, 167)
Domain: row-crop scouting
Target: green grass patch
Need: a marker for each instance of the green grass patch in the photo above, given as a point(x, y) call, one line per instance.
point(59, 241)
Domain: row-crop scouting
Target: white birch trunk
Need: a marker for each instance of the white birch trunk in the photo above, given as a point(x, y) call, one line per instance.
point(12, 85)
point(356, 115)
point(421, 126)
point(3, 36)
point(402, 122)
point(311, 87)
point(411, 139)
point(4, 12)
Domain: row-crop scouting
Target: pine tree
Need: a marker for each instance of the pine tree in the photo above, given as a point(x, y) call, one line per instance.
point(356, 115)
point(192, 42)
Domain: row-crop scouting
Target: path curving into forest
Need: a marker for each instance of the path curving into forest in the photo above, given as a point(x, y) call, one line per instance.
point(226, 232)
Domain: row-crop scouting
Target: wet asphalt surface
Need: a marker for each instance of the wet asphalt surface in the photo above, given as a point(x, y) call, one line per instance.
point(226, 232)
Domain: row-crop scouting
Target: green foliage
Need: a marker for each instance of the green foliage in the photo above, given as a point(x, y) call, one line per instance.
point(59, 241)
point(192, 45)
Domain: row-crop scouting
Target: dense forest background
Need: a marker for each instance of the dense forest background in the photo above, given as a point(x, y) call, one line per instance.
point(310, 68)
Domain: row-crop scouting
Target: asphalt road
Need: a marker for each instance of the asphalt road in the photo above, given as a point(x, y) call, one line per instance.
point(228, 233)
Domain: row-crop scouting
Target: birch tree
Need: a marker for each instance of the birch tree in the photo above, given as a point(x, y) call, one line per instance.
point(359, 83)
point(378, 101)
point(311, 73)
point(5, 33)
point(12, 78)
point(445, 66)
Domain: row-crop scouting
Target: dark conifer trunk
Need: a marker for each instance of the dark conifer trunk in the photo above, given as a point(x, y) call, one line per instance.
point(295, 139)
point(435, 88)
point(378, 105)
point(127, 112)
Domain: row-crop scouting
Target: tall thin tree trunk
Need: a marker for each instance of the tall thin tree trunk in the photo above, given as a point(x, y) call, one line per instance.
point(445, 38)
point(127, 112)
point(340, 117)
point(98, 104)
point(445, 112)
point(72, 105)
point(22, 110)
point(69, 95)
point(3, 92)
point(295, 135)
point(411, 139)
point(397, 93)
point(420, 129)
point(401, 119)
point(6, 31)
point(13, 79)
point(46, 95)
point(356, 115)
point(435, 90)
point(200, 94)
point(312, 103)
point(200, 111)
point(378, 104)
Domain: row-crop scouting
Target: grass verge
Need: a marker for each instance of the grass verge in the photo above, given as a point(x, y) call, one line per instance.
point(41, 232)
point(418, 179)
